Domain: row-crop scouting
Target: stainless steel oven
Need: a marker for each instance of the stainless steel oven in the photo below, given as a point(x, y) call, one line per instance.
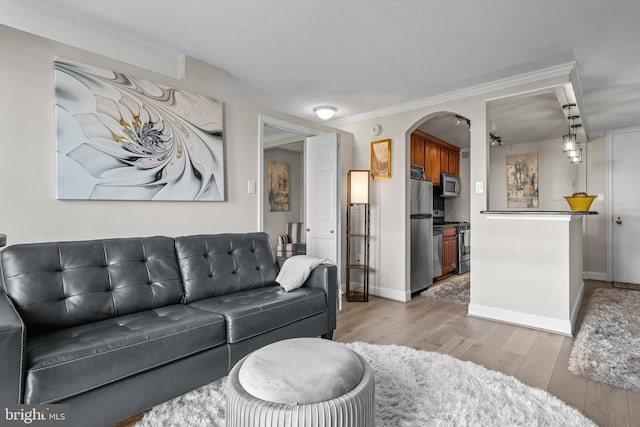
point(464, 248)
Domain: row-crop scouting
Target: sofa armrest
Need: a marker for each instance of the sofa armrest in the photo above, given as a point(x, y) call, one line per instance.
point(12, 335)
point(325, 277)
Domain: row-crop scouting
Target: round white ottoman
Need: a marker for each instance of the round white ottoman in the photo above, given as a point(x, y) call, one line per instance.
point(309, 382)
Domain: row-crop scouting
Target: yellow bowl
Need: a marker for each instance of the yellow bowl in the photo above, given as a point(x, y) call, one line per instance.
point(580, 203)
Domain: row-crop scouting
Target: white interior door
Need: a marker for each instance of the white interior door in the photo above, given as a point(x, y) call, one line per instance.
point(321, 190)
point(625, 198)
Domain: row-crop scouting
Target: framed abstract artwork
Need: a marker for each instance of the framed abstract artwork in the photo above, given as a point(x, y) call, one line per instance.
point(381, 159)
point(279, 186)
point(124, 138)
point(522, 180)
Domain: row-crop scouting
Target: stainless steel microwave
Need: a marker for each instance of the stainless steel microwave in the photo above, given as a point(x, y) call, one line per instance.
point(449, 185)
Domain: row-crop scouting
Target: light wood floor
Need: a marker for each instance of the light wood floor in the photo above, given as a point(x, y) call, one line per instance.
point(536, 358)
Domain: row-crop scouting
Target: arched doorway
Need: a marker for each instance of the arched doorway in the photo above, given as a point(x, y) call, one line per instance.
point(439, 147)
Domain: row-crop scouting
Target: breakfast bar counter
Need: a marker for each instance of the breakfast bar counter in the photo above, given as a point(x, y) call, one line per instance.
point(531, 271)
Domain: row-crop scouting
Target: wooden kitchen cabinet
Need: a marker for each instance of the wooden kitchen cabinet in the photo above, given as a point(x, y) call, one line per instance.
point(449, 249)
point(432, 162)
point(454, 162)
point(417, 150)
point(444, 160)
point(434, 155)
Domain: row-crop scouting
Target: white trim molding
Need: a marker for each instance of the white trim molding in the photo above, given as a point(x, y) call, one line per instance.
point(560, 326)
point(595, 275)
point(550, 324)
point(533, 76)
point(392, 294)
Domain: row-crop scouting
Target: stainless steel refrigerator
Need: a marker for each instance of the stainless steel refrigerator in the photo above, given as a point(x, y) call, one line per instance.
point(421, 234)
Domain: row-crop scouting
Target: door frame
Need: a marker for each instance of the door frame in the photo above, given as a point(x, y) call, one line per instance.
point(287, 127)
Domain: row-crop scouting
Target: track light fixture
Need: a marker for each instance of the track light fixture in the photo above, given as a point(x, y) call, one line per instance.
point(460, 120)
point(496, 141)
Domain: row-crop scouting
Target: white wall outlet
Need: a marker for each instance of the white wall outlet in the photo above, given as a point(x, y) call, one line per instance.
point(479, 187)
point(251, 187)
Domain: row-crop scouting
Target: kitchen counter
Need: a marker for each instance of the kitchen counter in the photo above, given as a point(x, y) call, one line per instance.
point(530, 272)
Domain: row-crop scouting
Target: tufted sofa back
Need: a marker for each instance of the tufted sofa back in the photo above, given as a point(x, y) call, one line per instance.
point(220, 264)
point(59, 285)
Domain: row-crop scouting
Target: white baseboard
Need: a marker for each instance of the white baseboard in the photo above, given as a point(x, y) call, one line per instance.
point(523, 319)
point(592, 275)
point(393, 294)
point(576, 308)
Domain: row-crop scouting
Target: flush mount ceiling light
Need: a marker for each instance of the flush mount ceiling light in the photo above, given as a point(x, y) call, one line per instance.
point(325, 112)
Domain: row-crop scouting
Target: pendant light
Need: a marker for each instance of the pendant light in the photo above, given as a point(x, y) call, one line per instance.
point(569, 142)
point(577, 157)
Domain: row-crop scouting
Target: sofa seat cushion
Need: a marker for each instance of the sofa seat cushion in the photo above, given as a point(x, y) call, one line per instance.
point(71, 361)
point(256, 311)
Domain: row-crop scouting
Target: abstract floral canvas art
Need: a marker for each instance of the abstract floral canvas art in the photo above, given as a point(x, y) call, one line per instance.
point(124, 138)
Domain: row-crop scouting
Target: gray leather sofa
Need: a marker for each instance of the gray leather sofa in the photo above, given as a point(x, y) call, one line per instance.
point(114, 327)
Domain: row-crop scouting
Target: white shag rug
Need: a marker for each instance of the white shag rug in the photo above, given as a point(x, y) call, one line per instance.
point(456, 290)
point(607, 346)
point(413, 388)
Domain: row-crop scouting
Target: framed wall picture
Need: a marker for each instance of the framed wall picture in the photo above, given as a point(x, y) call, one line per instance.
point(279, 186)
point(522, 180)
point(120, 137)
point(381, 159)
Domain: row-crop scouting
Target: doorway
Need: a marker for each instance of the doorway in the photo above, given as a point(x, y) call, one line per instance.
point(454, 129)
point(318, 210)
point(439, 146)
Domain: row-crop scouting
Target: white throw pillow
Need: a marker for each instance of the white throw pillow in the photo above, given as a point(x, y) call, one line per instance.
point(296, 270)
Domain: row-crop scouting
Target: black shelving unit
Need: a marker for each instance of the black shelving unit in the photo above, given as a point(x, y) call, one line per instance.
point(358, 236)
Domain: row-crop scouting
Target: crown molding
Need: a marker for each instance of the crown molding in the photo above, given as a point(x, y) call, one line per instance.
point(533, 76)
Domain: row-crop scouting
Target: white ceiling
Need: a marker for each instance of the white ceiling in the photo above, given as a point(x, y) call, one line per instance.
point(364, 55)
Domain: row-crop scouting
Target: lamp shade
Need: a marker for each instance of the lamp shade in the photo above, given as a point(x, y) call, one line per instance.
point(358, 186)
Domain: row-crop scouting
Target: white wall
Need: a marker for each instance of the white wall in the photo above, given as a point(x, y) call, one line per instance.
point(275, 222)
point(30, 212)
point(557, 177)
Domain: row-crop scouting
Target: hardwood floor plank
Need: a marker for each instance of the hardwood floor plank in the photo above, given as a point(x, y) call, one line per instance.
point(538, 364)
point(520, 341)
point(633, 399)
point(456, 346)
point(506, 362)
point(568, 387)
point(606, 405)
point(484, 349)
